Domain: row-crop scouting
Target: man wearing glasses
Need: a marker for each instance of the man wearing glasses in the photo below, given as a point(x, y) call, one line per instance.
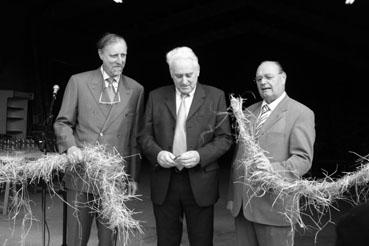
point(100, 106)
point(284, 128)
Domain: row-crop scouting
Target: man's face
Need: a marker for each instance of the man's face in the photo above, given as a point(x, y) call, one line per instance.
point(270, 81)
point(184, 74)
point(114, 57)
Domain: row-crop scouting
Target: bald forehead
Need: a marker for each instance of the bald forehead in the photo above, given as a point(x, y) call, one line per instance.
point(268, 67)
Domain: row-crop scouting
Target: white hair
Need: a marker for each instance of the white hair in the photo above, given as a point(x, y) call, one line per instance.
point(182, 53)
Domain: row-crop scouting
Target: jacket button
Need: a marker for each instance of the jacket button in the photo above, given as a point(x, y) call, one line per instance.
point(101, 134)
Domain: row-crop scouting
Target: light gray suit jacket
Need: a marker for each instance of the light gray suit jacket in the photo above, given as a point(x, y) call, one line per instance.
point(83, 120)
point(288, 136)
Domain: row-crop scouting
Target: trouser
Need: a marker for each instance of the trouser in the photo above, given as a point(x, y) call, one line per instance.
point(80, 218)
point(249, 233)
point(178, 203)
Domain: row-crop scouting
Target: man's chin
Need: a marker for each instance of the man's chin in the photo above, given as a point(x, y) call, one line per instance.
point(117, 72)
point(269, 98)
point(186, 90)
point(266, 94)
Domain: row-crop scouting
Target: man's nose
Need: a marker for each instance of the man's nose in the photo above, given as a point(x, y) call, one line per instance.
point(184, 80)
point(263, 80)
point(120, 59)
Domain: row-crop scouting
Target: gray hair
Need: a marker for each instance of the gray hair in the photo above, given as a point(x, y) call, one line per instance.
point(109, 38)
point(182, 53)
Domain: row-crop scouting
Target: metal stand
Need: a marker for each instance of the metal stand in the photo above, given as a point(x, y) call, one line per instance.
point(43, 207)
point(47, 125)
point(43, 192)
point(64, 218)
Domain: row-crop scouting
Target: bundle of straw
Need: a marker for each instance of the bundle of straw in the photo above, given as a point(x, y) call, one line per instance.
point(317, 193)
point(102, 169)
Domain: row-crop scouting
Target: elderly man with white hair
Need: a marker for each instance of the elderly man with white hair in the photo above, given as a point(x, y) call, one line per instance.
point(186, 130)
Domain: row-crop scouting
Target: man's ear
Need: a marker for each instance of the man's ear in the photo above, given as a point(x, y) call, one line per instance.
point(99, 52)
point(284, 77)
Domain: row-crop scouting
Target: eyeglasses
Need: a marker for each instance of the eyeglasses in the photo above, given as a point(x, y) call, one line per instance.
point(267, 76)
point(104, 99)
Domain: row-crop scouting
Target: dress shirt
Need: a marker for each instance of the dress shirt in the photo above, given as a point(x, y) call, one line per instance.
point(106, 77)
point(188, 100)
point(273, 104)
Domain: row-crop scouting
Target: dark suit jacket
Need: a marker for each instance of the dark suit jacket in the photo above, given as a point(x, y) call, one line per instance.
point(288, 136)
point(207, 131)
point(83, 120)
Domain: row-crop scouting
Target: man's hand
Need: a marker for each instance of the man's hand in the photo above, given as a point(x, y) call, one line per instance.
point(132, 188)
point(74, 155)
point(281, 170)
point(166, 159)
point(188, 159)
point(229, 206)
point(262, 162)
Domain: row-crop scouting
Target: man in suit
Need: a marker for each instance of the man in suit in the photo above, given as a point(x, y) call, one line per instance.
point(186, 131)
point(287, 134)
point(100, 106)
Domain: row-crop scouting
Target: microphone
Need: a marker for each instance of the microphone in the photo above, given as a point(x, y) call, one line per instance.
point(55, 90)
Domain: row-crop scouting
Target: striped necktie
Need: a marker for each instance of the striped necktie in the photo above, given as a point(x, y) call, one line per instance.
point(265, 112)
point(110, 89)
point(179, 141)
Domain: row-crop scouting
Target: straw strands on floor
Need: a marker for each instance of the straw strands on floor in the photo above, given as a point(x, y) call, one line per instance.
point(103, 169)
point(317, 193)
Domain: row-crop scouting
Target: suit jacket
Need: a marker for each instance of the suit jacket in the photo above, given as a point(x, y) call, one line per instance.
point(83, 120)
point(207, 131)
point(288, 136)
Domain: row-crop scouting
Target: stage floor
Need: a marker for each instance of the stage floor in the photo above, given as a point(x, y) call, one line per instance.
point(223, 236)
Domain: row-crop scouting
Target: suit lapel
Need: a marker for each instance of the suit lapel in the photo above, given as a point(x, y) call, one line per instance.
point(95, 85)
point(197, 101)
point(170, 101)
point(255, 111)
point(276, 115)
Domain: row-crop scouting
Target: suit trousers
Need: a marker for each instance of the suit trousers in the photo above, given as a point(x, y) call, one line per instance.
point(169, 215)
point(249, 233)
point(79, 221)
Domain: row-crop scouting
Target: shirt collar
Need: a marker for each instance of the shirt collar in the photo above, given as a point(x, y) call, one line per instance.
point(190, 95)
point(275, 103)
point(106, 77)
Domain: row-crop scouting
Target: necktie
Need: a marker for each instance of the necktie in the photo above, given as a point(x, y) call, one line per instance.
point(265, 112)
point(179, 141)
point(110, 89)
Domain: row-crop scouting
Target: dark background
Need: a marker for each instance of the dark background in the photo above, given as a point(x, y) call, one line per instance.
point(323, 46)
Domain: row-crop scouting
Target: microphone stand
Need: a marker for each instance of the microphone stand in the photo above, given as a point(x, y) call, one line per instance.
point(47, 125)
point(64, 242)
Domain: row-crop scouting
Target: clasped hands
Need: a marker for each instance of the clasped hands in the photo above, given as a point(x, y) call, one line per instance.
point(187, 159)
point(75, 155)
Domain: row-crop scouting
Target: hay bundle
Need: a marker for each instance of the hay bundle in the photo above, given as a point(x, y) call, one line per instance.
point(102, 169)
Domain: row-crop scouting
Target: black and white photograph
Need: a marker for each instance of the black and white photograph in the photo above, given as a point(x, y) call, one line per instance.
point(184, 123)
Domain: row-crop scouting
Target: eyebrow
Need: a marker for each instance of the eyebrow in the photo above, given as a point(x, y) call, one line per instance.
point(267, 74)
point(183, 73)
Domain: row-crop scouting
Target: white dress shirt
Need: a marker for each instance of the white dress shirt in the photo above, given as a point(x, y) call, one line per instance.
point(188, 100)
point(273, 104)
point(106, 77)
